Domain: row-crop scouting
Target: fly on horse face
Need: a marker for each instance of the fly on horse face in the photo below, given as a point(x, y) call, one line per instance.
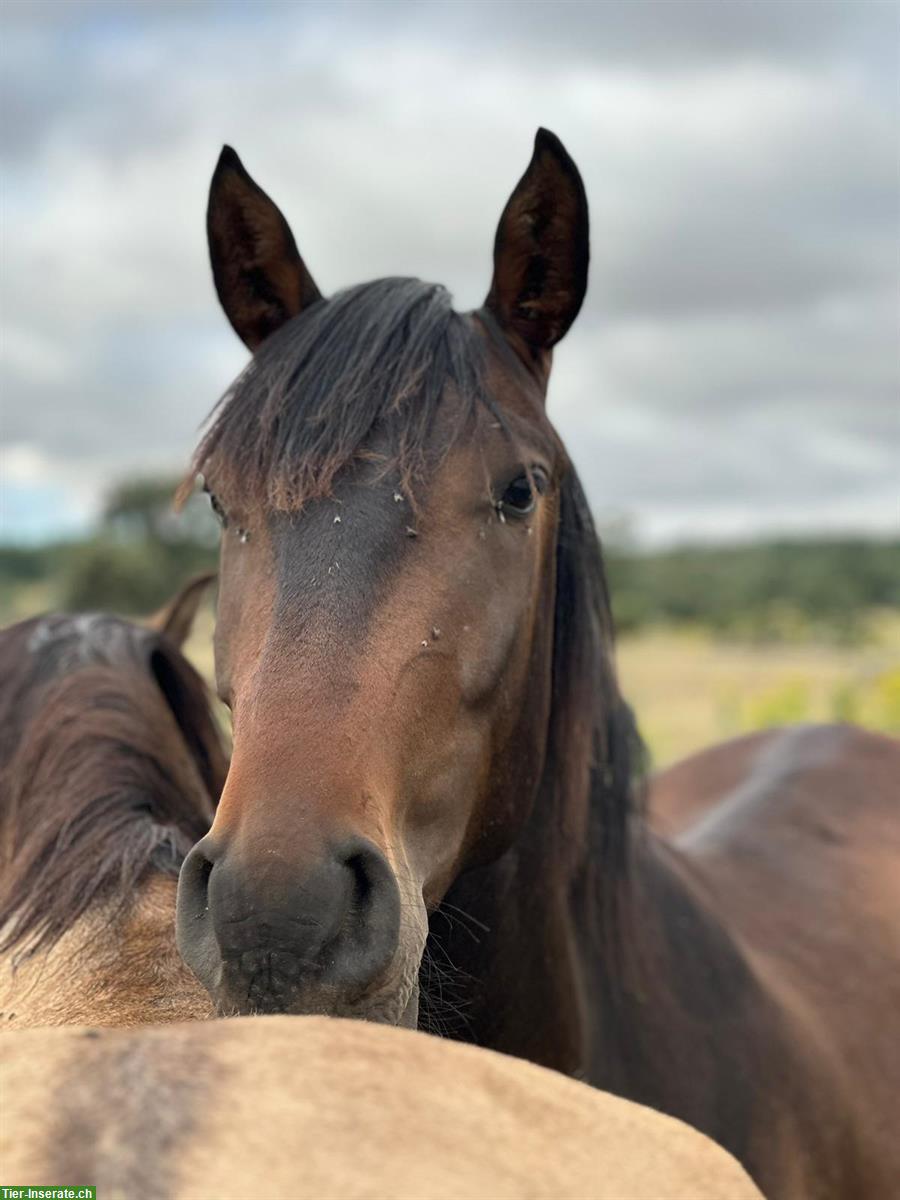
point(433, 777)
point(110, 766)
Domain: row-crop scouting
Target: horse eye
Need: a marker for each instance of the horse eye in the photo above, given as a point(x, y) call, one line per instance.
point(218, 509)
point(519, 497)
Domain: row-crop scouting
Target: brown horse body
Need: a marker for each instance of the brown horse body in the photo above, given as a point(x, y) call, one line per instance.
point(794, 836)
point(758, 994)
point(431, 811)
point(109, 771)
point(307, 1108)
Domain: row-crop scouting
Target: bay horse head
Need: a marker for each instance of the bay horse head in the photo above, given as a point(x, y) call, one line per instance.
point(392, 497)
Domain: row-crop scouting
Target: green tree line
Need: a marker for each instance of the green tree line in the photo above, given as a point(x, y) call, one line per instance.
point(764, 590)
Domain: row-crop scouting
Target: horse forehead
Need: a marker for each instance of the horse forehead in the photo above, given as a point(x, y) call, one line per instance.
point(335, 559)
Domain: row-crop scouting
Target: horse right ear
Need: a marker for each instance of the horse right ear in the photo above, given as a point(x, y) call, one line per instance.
point(541, 253)
point(260, 278)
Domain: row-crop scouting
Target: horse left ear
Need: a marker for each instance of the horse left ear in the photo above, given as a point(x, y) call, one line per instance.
point(176, 619)
point(541, 252)
point(260, 278)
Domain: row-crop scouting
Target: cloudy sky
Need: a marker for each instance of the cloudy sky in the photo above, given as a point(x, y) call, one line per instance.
point(735, 368)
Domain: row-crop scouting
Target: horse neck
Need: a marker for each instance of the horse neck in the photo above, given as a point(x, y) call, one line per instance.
point(675, 993)
point(638, 988)
point(114, 967)
point(504, 964)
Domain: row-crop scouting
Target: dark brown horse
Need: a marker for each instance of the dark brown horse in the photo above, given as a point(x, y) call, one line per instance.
point(433, 771)
point(110, 766)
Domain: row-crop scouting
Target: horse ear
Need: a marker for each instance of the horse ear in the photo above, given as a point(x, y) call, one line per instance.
point(541, 251)
point(176, 619)
point(260, 278)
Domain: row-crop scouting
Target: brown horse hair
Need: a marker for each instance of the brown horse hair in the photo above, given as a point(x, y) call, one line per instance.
point(357, 378)
point(109, 770)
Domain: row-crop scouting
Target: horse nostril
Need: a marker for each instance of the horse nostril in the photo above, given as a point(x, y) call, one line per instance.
point(193, 881)
point(194, 933)
point(372, 917)
point(362, 882)
point(360, 898)
point(203, 874)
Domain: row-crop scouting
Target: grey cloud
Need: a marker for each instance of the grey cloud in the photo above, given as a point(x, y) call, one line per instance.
point(736, 359)
point(657, 31)
point(816, 363)
point(658, 35)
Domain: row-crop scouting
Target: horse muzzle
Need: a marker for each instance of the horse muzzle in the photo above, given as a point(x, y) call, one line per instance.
point(283, 939)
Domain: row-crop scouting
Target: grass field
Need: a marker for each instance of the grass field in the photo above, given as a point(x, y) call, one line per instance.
point(690, 689)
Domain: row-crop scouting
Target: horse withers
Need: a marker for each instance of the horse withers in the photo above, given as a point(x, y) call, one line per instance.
point(110, 767)
point(433, 811)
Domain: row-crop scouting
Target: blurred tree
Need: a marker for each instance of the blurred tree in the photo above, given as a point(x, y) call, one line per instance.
point(145, 550)
point(114, 577)
point(142, 510)
point(766, 591)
